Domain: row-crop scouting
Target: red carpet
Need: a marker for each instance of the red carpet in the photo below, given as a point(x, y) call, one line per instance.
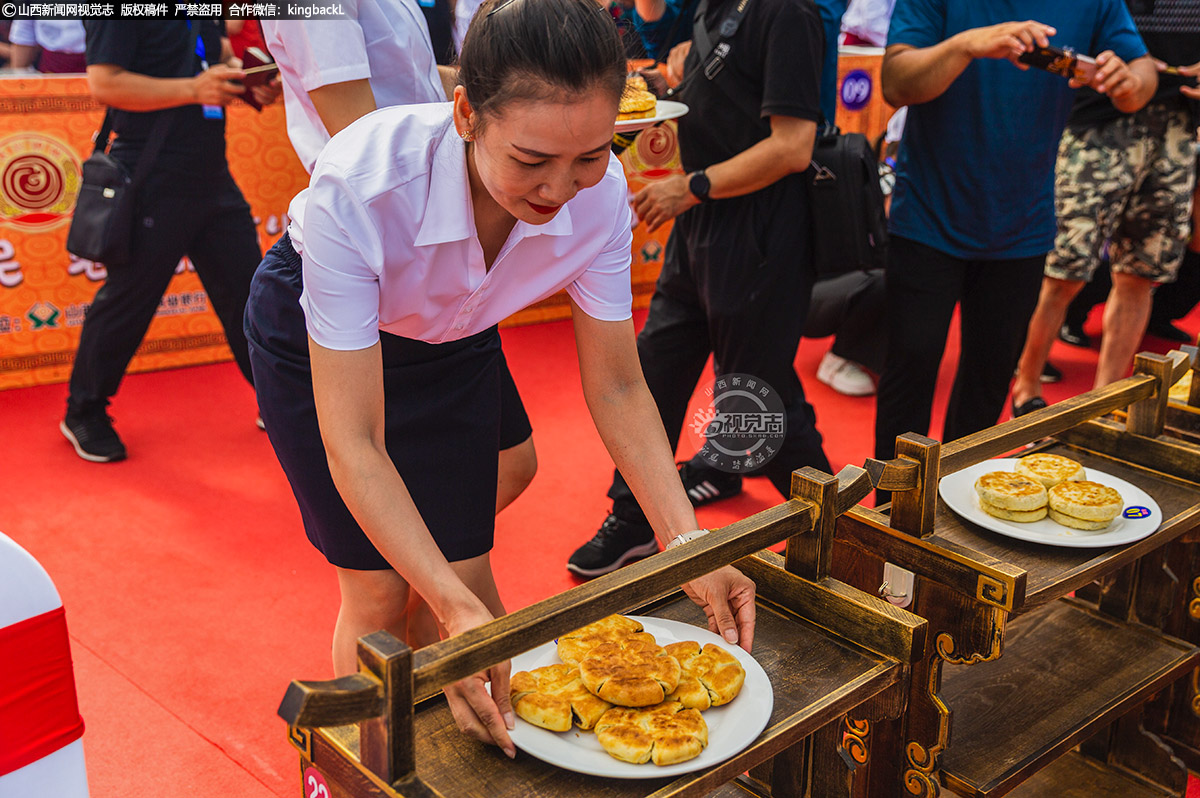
point(192, 597)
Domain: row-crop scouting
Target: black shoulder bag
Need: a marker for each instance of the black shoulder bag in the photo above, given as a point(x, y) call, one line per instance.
point(849, 226)
point(102, 221)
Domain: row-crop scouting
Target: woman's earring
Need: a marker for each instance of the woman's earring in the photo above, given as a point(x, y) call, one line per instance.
point(467, 135)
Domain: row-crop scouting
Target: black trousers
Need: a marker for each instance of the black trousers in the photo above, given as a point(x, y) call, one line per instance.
point(199, 214)
point(850, 307)
point(997, 298)
point(735, 283)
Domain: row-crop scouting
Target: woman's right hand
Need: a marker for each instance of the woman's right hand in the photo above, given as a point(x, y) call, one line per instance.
point(487, 718)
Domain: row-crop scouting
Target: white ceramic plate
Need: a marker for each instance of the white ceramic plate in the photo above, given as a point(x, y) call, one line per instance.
point(1140, 517)
point(730, 727)
point(666, 109)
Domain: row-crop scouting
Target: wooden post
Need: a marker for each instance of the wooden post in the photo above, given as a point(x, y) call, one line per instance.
point(809, 555)
point(1194, 392)
point(1147, 416)
point(387, 746)
point(912, 511)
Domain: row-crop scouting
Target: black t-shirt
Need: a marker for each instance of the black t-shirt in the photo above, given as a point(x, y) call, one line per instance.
point(158, 48)
point(439, 18)
point(774, 59)
point(1171, 30)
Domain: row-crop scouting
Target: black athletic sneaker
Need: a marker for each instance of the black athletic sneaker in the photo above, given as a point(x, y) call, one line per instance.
point(616, 543)
point(93, 436)
point(707, 485)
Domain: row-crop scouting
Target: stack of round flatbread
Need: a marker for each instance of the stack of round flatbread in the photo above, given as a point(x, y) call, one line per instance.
point(642, 699)
point(1051, 485)
point(1050, 469)
point(636, 101)
point(1084, 505)
point(1011, 496)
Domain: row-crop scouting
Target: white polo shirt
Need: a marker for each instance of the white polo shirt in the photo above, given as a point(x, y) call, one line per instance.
point(390, 242)
point(386, 41)
point(61, 36)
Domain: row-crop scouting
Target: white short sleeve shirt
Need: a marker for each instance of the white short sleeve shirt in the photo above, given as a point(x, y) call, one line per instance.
point(60, 36)
point(385, 41)
point(390, 243)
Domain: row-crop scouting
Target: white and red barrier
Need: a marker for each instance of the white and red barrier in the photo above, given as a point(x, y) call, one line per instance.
point(41, 745)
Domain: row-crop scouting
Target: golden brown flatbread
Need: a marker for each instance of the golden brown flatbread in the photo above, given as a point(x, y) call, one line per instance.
point(573, 646)
point(1010, 491)
point(552, 696)
point(664, 734)
point(630, 672)
point(636, 103)
point(1084, 504)
point(711, 676)
point(1049, 469)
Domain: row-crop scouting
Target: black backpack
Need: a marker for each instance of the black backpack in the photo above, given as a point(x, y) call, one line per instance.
point(846, 203)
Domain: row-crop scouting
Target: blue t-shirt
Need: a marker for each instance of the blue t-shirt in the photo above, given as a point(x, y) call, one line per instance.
point(659, 36)
point(976, 171)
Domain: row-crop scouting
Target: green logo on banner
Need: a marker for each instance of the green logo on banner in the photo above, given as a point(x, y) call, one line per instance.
point(43, 314)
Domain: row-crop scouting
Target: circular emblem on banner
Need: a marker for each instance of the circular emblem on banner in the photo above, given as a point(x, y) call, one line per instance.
point(314, 784)
point(1136, 512)
point(744, 426)
point(856, 89)
point(655, 151)
point(39, 180)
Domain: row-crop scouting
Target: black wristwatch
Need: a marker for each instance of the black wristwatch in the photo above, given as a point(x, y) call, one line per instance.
point(698, 184)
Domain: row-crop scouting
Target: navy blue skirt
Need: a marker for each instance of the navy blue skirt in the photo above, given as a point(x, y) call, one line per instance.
point(449, 409)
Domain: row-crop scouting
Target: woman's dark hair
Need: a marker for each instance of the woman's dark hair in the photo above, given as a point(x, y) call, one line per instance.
point(517, 49)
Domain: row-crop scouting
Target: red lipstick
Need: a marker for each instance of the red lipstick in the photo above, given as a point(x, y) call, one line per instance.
point(545, 210)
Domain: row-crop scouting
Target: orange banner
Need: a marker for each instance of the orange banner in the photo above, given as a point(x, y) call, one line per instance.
point(46, 127)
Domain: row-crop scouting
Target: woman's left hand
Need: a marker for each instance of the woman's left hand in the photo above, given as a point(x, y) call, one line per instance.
point(727, 597)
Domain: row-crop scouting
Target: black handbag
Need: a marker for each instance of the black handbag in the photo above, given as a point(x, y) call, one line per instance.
point(846, 202)
point(102, 221)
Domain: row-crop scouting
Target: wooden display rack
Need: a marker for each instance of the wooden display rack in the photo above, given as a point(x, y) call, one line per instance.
point(1061, 713)
point(1175, 714)
point(827, 648)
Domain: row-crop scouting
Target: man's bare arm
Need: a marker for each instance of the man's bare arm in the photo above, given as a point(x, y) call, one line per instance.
point(913, 75)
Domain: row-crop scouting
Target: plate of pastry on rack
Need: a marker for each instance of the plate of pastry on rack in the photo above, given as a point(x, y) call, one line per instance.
point(640, 109)
point(1051, 499)
point(638, 697)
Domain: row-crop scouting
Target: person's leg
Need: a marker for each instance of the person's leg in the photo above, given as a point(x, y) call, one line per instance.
point(119, 316)
point(1125, 316)
point(225, 253)
point(371, 600)
point(1091, 186)
point(997, 300)
point(375, 600)
point(922, 286)
point(122, 309)
point(673, 347)
point(1091, 295)
point(518, 459)
point(1047, 320)
point(861, 335)
point(756, 317)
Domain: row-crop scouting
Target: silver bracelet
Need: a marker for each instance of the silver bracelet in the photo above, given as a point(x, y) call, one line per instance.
point(685, 537)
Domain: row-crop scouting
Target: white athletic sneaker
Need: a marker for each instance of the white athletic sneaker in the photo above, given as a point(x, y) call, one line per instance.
point(845, 376)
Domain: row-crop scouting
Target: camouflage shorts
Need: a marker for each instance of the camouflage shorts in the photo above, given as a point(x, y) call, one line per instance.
point(1125, 185)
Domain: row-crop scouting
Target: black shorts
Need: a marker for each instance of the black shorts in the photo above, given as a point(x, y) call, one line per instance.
point(449, 409)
